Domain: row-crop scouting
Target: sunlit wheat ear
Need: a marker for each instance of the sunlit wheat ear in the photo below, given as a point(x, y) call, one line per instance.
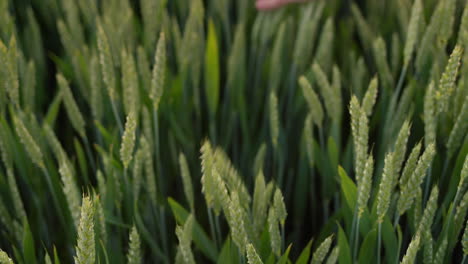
point(365, 185)
point(331, 97)
point(159, 69)
point(280, 207)
point(412, 251)
point(359, 130)
point(184, 234)
point(273, 230)
point(400, 146)
point(252, 256)
point(274, 119)
point(362, 144)
point(309, 139)
point(430, 118)
point(85, 248)
point(106, 62)
point(385, 187)
point(322, 251)
point(236, 222)
point(129, 83)
point(4, 258)
point(29, 143)
point(440, 254)
point(187, 181)
point(134, 248)
point(260, 203)
point(128, 139)
point(221, 201)
point(370, 96)
point(425, 223)
point(333, 257)
point(71, 191)
point(407, 193)
point(428, 253)
point(47, 259)
point(74, 113)
point(207, 166)
point(315, 107)
point(230, 175)
point(464, 241)
point(460, 128)
point(410, 164)
point(413, 31)
point(149, 168)
point(447, 82)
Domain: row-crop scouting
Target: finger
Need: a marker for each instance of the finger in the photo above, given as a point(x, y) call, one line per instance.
point(272, 4)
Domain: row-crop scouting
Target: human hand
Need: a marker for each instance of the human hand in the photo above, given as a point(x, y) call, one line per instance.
point(272, 4)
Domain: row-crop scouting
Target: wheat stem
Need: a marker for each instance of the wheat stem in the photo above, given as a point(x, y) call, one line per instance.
point(379, 242)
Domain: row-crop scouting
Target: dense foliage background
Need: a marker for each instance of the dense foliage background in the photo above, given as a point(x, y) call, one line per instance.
point(332, 131)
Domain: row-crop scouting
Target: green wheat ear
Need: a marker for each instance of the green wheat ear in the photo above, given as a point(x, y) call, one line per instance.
point(4, 258)
point(252, 256)
point(129, 83)
point(187, 181)
point(315, 107)
point(128, 140)
point(428, 253)
point(331, 97)
point(85, 248)
point(274, 119)
point(73, 111)
point(440, 254)
point(134, 248)
point(407, 193)
point(370, 96)
point(106, 62)
point(280, 207)
point(159, 69)
point(413, 31)
point(236, 222)
point(273, 230)
point(385, 187)
point(428, 215)
point(365, 185)
point(184, 234)
point(460, 128)
point(410, 164)
point(447, 82)
point(333, 257)
point(29, 143)
point(322, 251)
point(412, 250)
point(465, 239)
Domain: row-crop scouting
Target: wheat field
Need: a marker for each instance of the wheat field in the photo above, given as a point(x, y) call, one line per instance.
point(206, 131)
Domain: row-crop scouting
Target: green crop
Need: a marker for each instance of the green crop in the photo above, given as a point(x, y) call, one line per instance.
point(205, 131)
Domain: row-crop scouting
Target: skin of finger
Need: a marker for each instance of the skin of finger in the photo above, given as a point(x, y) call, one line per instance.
point(272, 4)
